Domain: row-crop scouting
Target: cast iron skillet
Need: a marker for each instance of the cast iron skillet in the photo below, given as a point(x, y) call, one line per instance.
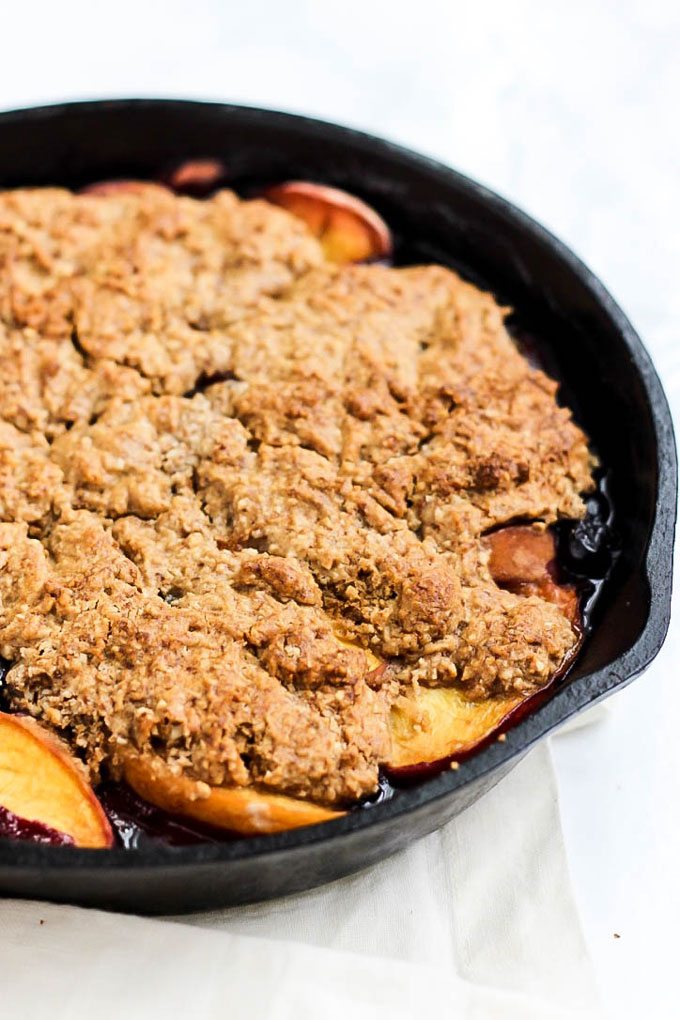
point(607, 378)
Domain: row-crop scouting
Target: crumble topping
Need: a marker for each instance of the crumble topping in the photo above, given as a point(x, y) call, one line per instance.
point(227, 466)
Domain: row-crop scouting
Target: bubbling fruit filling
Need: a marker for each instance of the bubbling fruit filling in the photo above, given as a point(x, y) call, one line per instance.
point(277, 519)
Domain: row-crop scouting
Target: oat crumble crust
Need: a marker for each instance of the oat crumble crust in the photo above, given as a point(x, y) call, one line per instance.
point(219, 453)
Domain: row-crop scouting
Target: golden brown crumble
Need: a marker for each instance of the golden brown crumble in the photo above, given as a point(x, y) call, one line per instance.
point(219, 453)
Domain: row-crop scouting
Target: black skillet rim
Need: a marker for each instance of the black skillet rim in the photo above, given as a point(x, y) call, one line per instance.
point(575, 696)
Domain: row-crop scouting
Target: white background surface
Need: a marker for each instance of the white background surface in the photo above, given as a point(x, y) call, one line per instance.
point(569, 110)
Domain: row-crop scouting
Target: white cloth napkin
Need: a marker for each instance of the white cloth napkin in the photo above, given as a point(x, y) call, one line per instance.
point(477, 919)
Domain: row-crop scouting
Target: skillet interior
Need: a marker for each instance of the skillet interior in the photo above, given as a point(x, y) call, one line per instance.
point(585, 341)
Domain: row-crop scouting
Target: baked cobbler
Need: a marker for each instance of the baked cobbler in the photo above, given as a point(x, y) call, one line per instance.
point(275, 514)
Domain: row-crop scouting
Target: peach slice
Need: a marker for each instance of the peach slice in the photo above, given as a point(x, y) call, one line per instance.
point(348, 229)
point(40, 781)
point(197, 176)
point(520, 554)
point(237, 809)
point(121, 187)
point(438, 723)
point(520, 559)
